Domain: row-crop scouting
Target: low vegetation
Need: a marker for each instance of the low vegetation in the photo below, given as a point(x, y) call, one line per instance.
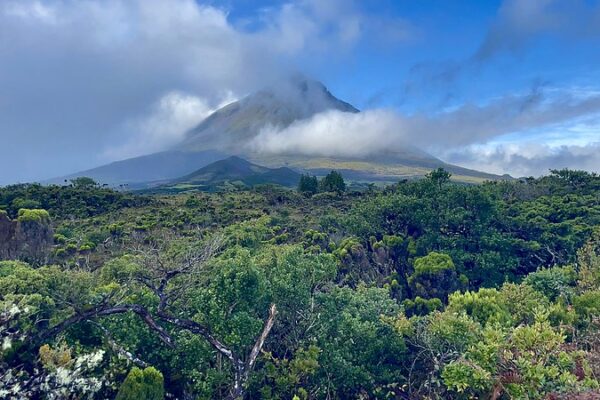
point(424, 289)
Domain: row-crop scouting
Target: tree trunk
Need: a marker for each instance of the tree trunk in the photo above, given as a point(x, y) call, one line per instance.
point(239, 382)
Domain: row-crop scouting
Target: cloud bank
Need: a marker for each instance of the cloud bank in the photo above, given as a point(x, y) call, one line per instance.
point(335, 133)
point(166, 125)
point(462, 135)
point(82, 81)
point(528, 159)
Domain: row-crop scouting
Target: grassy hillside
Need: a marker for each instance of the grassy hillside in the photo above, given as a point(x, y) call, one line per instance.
point(388, 170)
point(232, 172)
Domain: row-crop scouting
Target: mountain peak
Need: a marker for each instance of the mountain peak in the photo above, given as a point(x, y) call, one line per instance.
point(311, 94)
point(230, 130)
point(279, 105)
point(233, 160)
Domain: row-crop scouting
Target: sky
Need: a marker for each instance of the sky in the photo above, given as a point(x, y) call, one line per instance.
point(506, 86)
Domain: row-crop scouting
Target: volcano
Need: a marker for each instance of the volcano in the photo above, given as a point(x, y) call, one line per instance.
point(229, 131)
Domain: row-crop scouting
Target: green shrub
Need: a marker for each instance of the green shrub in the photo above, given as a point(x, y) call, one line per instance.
point(484, 306)
point(33, 215)
point(71, 248)
point(553, 282)
point(147, 384)
point(60, 239)
point(434, 276)
point(86, 247)
point(587, 304)
point(421, 306)
point(19, 203)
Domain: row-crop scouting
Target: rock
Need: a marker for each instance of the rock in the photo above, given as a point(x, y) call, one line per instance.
point(27, 240)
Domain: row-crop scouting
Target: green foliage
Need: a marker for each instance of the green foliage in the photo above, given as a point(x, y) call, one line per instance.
point(529, 361)
point(575, 178)
point(439, 176)
point(357, 343)
point(493, 232)
point(332, 182)
point(142, 384)
point(84, 182)
point(587, 304)
point(36, 215)
point(286, 378)
point(19, 203)
point(308, 184)
point(509, 306)
point(434, 276)
point(421, 306)
point(66, 201)
point(348, 247)
point(588, 259)
point(424, 289)
point(553, 282)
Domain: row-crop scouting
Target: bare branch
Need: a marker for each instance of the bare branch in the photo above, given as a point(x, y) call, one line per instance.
point(261, 339)
point(201, 330)
point(105, 311)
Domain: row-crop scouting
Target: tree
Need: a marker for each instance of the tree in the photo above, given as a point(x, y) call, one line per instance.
point(83, 182)
point(588, 261)
point(333, 182)
point(575, 178)
point(168, 276)
point(553, 282)
point(145, 384)
point(439, 176)
point(360, 351)
point(308, 184)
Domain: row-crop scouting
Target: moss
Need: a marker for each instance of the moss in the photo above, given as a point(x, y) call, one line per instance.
point(33, 215)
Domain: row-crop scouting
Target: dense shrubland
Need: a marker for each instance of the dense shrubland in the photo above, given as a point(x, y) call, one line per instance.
point(423, 289)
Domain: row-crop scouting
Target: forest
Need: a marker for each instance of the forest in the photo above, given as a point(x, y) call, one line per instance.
point(424, 289)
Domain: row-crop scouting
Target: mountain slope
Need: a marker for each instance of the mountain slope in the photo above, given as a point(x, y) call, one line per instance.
point(153, 167)
point(386, 169)
point(229, 127)
point(229, 130)
point(232, 171)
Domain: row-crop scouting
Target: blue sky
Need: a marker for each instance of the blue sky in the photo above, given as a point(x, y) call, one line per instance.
point(502, 86)
point(442, 35)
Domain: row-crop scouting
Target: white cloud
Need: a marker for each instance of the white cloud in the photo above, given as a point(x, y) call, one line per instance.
point(528, 158)
point(35, 10)
point(74, 73)
point(335, 133)
point(560, 119)
point(166, 125)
